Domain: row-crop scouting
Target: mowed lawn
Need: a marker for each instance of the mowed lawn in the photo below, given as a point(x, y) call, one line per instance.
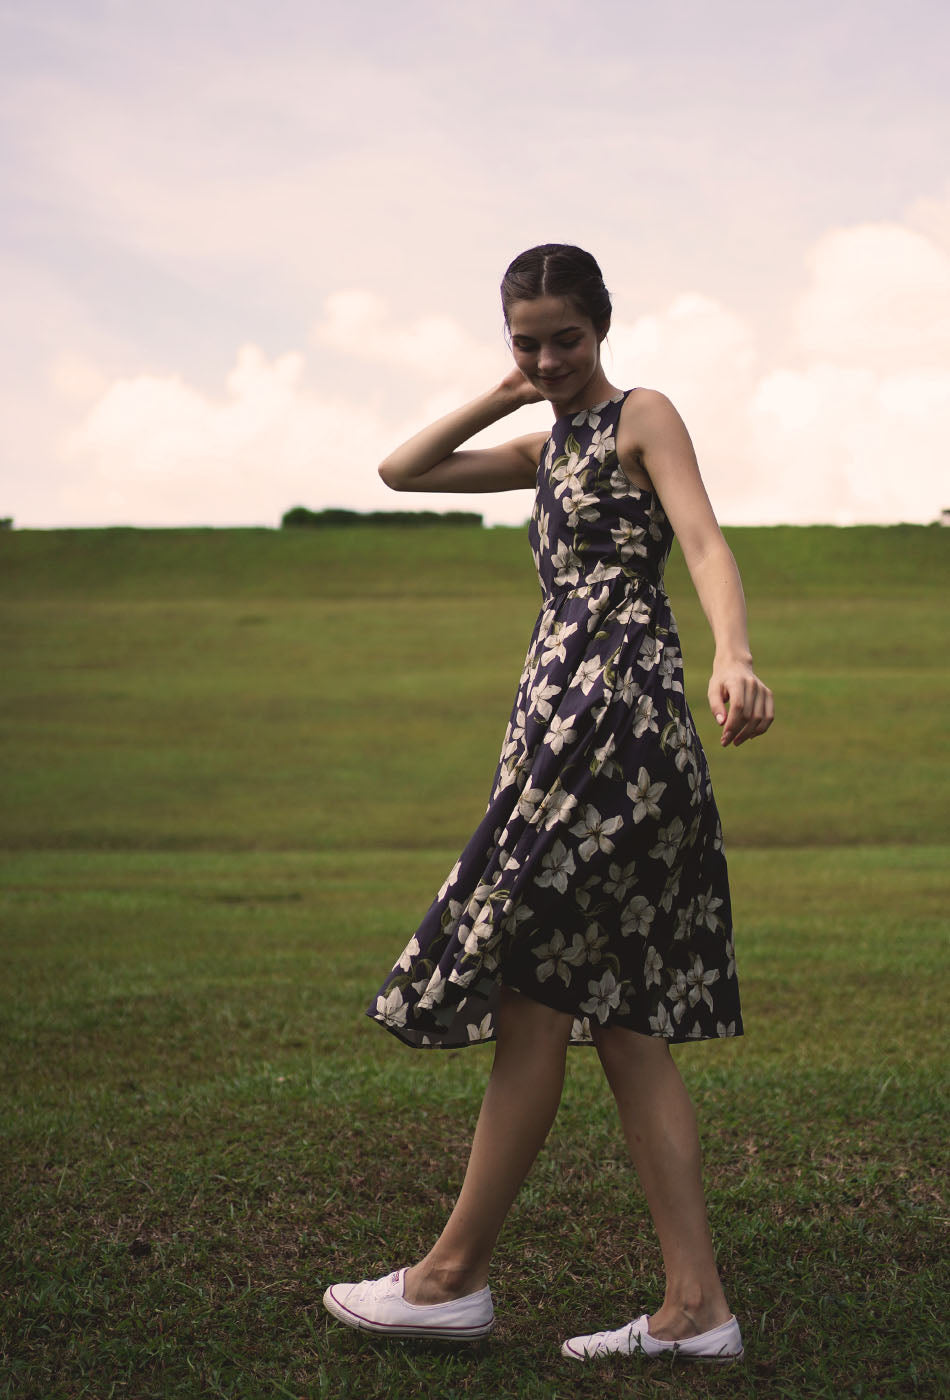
point(236, 765)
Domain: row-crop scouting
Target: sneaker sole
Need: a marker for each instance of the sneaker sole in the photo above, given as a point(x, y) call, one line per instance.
point(674, 1355)
point(398, 1329)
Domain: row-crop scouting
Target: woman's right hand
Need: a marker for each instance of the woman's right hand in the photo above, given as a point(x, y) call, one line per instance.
point(520, 388)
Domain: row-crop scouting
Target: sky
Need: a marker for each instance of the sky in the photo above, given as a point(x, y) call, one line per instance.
point(247, 248)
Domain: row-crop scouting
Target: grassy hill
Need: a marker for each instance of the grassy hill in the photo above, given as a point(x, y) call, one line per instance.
point(313, 690)
point(236, 765)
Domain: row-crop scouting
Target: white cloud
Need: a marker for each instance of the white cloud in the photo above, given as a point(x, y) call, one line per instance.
point(155, 449)
point(879, 297)
point(360, 324)
point(838, 432)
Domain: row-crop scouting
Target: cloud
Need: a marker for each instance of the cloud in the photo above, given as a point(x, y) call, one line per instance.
point(840, 431)
point(360, 324)
point(879, 297)
point(155, 449)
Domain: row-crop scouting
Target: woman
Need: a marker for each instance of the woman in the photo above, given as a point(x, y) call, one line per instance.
point(592, 904)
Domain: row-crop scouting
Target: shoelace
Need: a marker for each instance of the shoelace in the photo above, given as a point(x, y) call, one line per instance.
point(599, 1341)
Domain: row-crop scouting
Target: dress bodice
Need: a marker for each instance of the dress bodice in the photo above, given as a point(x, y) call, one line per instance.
point(590, 524)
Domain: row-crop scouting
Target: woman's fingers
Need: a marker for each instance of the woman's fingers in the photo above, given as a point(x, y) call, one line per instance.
point(743, 706)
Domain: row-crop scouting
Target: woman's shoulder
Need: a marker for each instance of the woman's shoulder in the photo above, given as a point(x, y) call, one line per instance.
point(647, 416)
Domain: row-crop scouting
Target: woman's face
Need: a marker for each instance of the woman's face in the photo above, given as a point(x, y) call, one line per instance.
point(556, 347)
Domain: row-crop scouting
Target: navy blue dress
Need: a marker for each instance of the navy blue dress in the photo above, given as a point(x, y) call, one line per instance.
point(596, 882)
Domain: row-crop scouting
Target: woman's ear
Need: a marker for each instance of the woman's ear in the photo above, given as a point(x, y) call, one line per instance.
point(602, 329)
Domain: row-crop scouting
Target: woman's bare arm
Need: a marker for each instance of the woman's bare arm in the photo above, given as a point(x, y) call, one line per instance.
point(432, 459)
point(653, 438)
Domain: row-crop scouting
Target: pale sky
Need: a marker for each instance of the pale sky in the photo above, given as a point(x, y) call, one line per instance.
point(247, 248)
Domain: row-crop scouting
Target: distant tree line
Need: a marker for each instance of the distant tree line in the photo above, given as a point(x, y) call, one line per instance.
point(299, 517)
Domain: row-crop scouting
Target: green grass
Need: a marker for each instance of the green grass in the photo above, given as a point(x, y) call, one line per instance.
point(236, 765)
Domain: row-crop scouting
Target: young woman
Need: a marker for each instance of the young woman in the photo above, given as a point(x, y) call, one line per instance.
point(592, 904)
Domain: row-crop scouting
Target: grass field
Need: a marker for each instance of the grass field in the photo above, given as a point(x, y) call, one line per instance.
point(236, 764)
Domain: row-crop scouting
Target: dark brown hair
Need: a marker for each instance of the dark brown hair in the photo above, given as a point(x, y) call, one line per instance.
point(558, 270)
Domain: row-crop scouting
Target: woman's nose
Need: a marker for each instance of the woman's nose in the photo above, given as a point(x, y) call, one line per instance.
point(547, 357)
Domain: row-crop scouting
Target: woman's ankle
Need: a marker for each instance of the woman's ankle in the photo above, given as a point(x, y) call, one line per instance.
point(676, 1319)
point(432, 1282)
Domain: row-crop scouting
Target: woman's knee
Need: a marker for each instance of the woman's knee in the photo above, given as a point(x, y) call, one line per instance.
point(522, 1019)
point(622, 1050)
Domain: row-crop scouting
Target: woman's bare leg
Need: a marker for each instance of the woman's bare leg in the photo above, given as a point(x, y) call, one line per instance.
point(659, 1125)
point(520, 1104)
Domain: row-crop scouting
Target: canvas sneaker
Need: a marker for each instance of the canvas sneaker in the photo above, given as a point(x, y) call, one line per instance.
point(721, 1344)
point(379, 1305)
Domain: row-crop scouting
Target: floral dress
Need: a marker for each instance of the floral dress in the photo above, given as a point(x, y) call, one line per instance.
point(596, 882)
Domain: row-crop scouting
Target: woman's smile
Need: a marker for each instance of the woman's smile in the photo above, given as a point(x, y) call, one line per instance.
point(557, 348)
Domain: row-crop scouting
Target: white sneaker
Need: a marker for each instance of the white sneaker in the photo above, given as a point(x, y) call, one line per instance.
point(379, 1305)
point(721, 1344)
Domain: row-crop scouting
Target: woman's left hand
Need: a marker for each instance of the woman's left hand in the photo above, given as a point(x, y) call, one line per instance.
point(741, 704)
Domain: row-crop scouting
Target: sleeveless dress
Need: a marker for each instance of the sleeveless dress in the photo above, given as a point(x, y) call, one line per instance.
point(596, 882)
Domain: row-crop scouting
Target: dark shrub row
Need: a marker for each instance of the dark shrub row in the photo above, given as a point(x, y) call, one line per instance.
point(299, 517)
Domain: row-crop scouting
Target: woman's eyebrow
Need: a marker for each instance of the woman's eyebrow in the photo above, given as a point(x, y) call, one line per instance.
point(564, 330)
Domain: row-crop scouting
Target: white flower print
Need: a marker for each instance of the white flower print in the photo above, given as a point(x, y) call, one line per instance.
point(587, 417)
point(560, 732)
point(435, 989)
point(482, 1031)
point(670, 890)
point(585, 947)
point(637, 916)
point(449, 880)
point(544, 522)
point(676, 739)
point(627, 689)
point(678, 993)
point(730, 959)
point(528, 803)
point(601, 443)
point(553, 960)
point(724, 1030)
point(569, 474)
point(671, 838)
point(587, 674)
point(619, 483)
point(684, 923)
point(412, 949)
point(604, 762)
point(630, 540)
point(645, 796)
point(583, 505)
point(605, 997)
point(558, 865)
point(645, 717)
point(660, 1024)
point(597, 830)
point(652, 967)
point(557, 807)
point(459, 978)
point(391, 1009)
point(669, 669)
point(515, 915)
point(706, 906)
point(634, 610)
point(656, 519)
point(566, 565)
point(451, 914)
point(601, 573)
point(541, 698)
point(650, 649)
point(620, 880)
point(554, 642)
point(700, 981)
